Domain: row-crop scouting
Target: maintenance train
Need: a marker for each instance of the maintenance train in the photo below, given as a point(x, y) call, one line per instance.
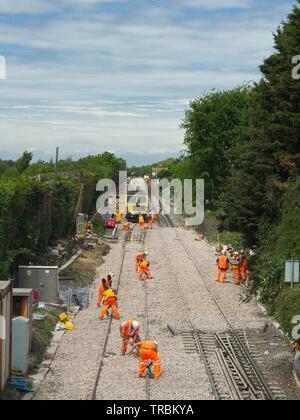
point(138, 202)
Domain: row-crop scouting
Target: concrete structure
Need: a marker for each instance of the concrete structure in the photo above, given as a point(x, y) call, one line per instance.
point(23, 306)
point(44, 279)
point(5, 332)
point(20, 344)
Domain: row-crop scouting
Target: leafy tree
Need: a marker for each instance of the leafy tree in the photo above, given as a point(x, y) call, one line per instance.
point(24, 162)
point(268, 154)
point(213, 126)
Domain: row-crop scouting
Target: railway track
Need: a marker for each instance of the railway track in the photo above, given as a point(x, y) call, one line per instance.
point(139, 237)
point(230, 366)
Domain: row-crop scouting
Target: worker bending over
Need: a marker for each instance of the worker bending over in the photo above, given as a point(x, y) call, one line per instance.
point(129, 331)
point(148, 351)
point(223, 265)
point(110, 301)
point(145, 268)
point(139, 258)
point(102, 289)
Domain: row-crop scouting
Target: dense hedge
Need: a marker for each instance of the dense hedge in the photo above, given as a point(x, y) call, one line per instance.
point(36, 206)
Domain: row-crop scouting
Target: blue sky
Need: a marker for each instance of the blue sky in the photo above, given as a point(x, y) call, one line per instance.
point(117, 75)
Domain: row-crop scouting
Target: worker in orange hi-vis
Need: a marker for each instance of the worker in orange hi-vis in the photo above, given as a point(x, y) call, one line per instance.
point(102, 289)
point(236, 268)
point(126, 226)
point(108, 280)
point(245, 268)
point(151, 221)
point(141, 222)
point(110, 301)
point(139, 258)
point(223, 265)
point(145, 268)
point(148, 351)
point(129, 331)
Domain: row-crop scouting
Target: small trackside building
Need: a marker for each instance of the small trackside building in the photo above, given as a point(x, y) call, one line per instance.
point(6, 304)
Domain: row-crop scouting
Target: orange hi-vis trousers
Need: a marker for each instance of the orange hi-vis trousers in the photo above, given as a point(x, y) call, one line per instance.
point(221, 275)
point(237, 274)
point(110, 303)
point(152, 355)
point(147, 271)
point(100, 294)
point(246, 272)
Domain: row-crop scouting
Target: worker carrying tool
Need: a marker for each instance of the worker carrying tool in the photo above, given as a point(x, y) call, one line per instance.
point(223, 265)
point(145, 269)
point(141, 222)
point(129, 331)
point(236, 268)
point(148, 351)
point(102, 289)
point(139, 258)
point(110, 301)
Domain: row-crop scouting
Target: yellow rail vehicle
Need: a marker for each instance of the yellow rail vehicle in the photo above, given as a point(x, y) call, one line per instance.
point(137, 199)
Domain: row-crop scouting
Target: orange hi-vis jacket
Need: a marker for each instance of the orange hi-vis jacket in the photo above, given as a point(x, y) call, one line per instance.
point(139, 258)
point(147, 346)
point(245, 264)
point(109, 294)
point(223, 262)
point(127, 330)
point(144, 266)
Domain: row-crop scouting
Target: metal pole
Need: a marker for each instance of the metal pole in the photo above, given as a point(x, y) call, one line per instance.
point(56, 161)
point(292, 279)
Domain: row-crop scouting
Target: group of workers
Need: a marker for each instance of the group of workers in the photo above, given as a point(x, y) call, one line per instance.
point(142, 222)
point(147, 351)
point(238, 262)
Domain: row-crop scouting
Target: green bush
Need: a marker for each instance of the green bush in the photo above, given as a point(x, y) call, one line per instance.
point(286, 306)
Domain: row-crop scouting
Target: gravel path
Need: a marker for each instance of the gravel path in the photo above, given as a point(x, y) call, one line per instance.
point(183, 375)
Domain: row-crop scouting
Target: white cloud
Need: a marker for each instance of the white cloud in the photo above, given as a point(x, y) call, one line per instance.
point(91, 79)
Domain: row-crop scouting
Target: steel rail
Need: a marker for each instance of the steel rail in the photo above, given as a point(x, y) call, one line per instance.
point(263, 383)
point(103, 353)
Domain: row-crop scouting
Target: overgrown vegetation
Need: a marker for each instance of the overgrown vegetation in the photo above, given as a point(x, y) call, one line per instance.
point(245, 143)
point(38, 205)
point(41, 338)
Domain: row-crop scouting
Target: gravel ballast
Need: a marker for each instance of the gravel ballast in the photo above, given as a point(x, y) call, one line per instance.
point(184, 376)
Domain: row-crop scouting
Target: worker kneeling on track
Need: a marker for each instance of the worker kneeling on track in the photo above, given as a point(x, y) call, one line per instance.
point(145, 269)
point(149, 353)
point(129, 331)
point(110, 301)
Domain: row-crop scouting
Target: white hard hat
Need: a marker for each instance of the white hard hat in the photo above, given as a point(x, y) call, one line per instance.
point(111, 274)
point(146, 253)
point(156, 343)
point(236, 253)
point(135, 325)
